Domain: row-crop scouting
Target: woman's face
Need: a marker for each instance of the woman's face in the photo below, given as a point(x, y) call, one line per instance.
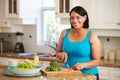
point(77, 21)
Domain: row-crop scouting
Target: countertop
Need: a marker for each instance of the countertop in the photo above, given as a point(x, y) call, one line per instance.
point(40, 77)
point(15, 55)
point(104, 62)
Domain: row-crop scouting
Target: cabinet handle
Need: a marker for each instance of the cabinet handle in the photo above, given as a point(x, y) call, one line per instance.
point(118, 23)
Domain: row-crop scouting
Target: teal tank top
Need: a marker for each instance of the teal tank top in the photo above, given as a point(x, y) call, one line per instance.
point(78, 52)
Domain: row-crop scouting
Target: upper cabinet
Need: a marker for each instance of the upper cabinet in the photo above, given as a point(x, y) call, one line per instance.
point(21, 8)
point(63, 7)
point(22, 12)
point(105, 14)
point(12, 8)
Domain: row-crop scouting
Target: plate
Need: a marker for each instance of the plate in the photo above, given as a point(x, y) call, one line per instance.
point(9, 73)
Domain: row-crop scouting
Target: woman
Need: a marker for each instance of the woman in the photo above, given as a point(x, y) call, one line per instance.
point(79, 46)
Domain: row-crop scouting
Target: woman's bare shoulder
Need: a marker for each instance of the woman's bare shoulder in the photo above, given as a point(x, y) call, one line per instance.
point(63, 32)
point(93, 37)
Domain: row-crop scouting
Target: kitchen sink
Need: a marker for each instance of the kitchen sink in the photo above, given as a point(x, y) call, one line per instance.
point(32, 54)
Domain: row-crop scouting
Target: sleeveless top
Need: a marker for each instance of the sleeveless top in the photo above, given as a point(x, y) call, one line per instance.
point(78, 52)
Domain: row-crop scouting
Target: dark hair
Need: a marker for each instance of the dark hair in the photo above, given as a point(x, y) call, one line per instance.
point(81, 11)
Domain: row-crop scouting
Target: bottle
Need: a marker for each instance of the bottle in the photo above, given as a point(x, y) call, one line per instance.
point(36, 60)
point(30, 62)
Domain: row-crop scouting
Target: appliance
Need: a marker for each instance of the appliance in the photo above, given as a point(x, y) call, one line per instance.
point(19, 47)
point(5, 46)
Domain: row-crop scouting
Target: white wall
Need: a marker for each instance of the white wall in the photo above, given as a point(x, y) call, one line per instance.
point(30, 44)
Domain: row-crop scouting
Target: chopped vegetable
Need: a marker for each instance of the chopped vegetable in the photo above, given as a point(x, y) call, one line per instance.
point(53, 67)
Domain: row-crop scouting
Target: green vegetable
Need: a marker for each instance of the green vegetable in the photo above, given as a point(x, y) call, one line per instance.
point(25, 65)
point(53, 67)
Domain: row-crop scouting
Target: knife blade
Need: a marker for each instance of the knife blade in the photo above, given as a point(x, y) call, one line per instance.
point(67, 65)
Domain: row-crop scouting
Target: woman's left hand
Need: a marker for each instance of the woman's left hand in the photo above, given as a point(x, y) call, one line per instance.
point(79, 66)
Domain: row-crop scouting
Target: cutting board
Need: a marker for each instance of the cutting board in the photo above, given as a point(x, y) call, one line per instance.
point(60, 73)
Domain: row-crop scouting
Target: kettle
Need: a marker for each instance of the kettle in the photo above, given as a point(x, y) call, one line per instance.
point(19, 47)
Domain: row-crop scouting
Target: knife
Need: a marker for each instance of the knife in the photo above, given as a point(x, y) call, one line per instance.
point(67, 65)
point(66, 62)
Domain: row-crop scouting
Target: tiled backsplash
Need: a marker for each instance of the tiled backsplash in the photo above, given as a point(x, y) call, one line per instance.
point(112, 43)
point(11, 37)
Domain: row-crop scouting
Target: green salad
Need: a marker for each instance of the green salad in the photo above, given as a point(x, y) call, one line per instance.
point(53, 67)
point(24, 65)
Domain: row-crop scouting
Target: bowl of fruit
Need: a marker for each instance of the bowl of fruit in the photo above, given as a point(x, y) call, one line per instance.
point(25, 68)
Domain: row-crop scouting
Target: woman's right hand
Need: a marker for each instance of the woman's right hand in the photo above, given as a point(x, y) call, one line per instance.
point(62, 56)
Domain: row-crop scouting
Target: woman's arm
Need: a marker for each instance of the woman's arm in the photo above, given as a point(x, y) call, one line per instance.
point(59, 47)
point(61, 55)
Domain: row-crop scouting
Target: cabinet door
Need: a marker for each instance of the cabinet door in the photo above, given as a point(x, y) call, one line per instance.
point(63, 7)
point(12, 8)
point(104, 73)
point(115, 74)
point(105, 14)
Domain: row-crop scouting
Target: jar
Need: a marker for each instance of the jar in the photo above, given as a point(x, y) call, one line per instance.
point(106, 51)
point(111, 55)
point(117, 54)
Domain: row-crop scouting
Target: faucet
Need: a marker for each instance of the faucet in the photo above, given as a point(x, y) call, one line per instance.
point(53, 47)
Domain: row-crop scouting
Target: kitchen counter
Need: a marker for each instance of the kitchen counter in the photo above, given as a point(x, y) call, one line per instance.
point(16, 56)
point(104, 62)
point(110, 63)
point(83, 77)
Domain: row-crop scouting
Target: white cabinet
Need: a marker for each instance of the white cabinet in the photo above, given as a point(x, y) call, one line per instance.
point(12, 8)
point(104, 73)
point(21, 8)
point(11, 29)
point(5, 23)
point(109, 73)
point(7, 27)
point(115, 73)
point(63, 7)
point(105, 14)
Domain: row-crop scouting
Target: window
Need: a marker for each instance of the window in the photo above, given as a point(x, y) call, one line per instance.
point(50, 25)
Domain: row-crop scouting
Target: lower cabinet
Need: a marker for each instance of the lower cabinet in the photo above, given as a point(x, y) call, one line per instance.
point(109, 73)
point(115, 74)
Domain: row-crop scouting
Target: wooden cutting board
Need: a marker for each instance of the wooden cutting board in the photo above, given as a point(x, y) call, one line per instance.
point(60, 73)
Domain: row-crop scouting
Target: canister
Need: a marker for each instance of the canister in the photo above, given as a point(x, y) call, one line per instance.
point(106, 51)
point(117, 54)
point(111, 55)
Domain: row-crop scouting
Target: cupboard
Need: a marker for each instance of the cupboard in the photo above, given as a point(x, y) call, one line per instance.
point(21, 8)
point(109, 73)
point(17, 13)
point(63, 7)
point(103, 14)
point(12, 8)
